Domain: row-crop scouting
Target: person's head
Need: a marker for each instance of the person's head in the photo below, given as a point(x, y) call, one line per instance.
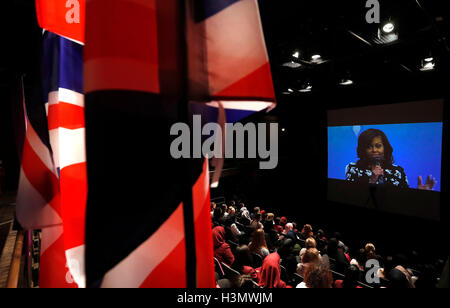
point(370, 251)
point(318, 276)
point(258, 240)
point(388, 264)
point(270, 217)
point(397, 280)
point(307, 229)
point(361, 257)
point(320, 233)
point(332, 247)
point(263, 215)
point(224, 208)
point(373, 144)
point(242, 257)
point(310, 243)
point(277, 220)
point(311, 256)
point(283, 221)
point(218, 213)
point(289, 227)
point(256, 210)
point(270, 271)
point(218, 236)
point(257, 217)
point(285, 248)
point(231, 210)
point(352, 275)
point(233, 204)
point(213, 206)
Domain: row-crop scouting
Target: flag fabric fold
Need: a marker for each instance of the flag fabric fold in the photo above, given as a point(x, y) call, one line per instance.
point(63, 17)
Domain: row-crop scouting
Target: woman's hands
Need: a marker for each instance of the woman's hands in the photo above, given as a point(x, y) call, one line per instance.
point(431, 181)
point(377, 171)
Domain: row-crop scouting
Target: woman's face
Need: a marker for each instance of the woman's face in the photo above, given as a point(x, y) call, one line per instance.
point(375, 149)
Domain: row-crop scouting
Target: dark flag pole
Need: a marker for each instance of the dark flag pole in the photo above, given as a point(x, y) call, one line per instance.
point(188, 208)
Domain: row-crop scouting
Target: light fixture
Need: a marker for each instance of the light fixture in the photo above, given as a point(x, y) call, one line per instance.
point(430, 59)
point(306, 88)
point(427, 65)
point(388, 27)
point(346, 82)
point(316, 57)
point(292, 64)
point(296, 54)
point(283, 129)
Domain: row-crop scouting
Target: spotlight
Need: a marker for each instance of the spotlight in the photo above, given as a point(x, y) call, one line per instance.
point(427, 65)
point(296, 54)
point(292, 64)
point(388, 27)
point(306, 88)
point(316, 57)
point(346, 82)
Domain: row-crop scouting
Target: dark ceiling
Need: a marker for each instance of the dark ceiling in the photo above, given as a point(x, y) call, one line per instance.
point(351, 50)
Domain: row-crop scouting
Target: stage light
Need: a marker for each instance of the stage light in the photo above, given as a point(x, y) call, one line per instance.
point(388, 27)
point(346, 82)
point(292, 64)
point(316, 57)
point(290, 90)
point(296, 54)
point(307, 88)
point(283, 129)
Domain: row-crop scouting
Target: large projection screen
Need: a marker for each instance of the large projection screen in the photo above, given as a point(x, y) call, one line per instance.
point(376, 155)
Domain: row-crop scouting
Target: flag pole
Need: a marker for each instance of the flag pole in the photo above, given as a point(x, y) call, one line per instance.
point(188, 208)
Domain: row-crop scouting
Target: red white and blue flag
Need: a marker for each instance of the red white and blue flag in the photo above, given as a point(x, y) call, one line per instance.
point(53, 185)
point(148, 218)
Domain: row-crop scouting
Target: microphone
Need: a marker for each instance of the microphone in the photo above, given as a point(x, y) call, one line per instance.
point(378, 163)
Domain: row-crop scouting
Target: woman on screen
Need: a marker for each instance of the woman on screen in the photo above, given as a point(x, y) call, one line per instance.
point(376, 163)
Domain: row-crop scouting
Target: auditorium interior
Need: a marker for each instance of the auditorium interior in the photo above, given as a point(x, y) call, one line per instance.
point(325, 57)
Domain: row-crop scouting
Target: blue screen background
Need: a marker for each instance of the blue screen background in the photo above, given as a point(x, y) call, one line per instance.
point(417, 148)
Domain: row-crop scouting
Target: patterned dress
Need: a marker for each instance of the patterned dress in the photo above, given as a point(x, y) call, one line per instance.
point(393, 176)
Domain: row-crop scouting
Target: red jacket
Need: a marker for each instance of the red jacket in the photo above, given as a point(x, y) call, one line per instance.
point(222, 250)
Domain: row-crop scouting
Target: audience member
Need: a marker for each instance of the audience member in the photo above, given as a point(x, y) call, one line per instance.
point(222, 251)
point(242, 262)
point(317, 276)
point(352, 276)
point(258, 244)
point(306, 232)
point(270, 272)
point(309, 243)
point(310, 256)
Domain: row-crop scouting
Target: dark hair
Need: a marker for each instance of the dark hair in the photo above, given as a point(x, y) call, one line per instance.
point(364, 141)
point(332, 247)
point(352, 276)
point(242, 258)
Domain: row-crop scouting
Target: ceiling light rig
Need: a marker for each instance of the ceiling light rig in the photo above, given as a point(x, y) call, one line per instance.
point(387, 33)
point(306, 88)
point(346, 82)
point(428, 64)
